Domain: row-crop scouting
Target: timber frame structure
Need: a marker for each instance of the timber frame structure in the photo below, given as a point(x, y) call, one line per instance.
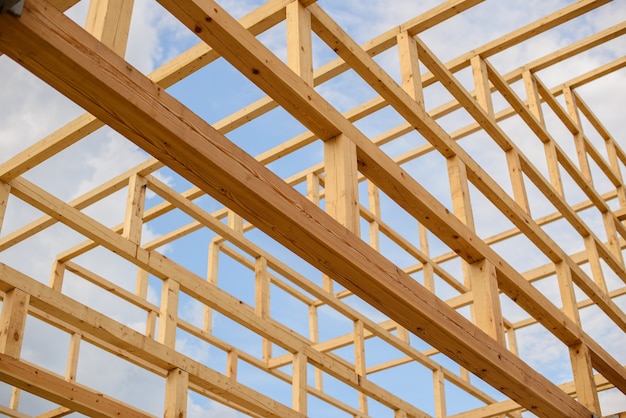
point(331, 215)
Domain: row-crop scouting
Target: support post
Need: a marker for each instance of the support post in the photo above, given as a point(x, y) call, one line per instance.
point(176, 388)
point(13, 321)
point(4, 201)
point(299, 383)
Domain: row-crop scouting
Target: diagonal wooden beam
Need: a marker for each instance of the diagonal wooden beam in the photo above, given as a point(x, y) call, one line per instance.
point(59, 52)
point(56, 389)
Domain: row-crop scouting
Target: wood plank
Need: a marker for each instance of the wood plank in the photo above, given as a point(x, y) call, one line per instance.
point(13, 321)
point(12, 413)
point(135, 202)
point(299, 41)
point(55, 389)
point(439, 394)
point(358, 339)
point(169, 312)
point(409, 67)
point(341, 182)
point(176, 388)
point(109, 21)
point(72, 357)
point(4, 200)
point(56, 413)
point(262, 301)
point(299, 383)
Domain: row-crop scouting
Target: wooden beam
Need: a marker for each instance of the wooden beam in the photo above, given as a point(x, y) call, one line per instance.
point(109, 21)
point(176, 388)
point(4, 201)
point(299, 383)
point(56, 389)
point(299, 42)
point(56, 413)
point(13, 321)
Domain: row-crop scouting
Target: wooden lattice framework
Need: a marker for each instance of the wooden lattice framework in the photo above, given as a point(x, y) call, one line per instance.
point(342, 239)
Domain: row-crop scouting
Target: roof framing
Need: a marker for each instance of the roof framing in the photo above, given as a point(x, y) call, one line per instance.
point(94, 76)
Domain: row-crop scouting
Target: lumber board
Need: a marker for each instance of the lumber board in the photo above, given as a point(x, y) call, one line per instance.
point(56, 389)
point(108, 78)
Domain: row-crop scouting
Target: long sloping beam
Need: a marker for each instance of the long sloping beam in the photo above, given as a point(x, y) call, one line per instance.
point(54, 388)
point(62, 54)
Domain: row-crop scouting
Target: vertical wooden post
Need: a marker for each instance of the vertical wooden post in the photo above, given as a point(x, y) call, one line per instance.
point(299, 383)
point(482, 86)
point(72, 357)
point(132, 229)
point(409, 67)
point(461, 203)
point(359, 360)
point(299, 42)
point(374, 204)
point(12, 325)
point(235, 222)
point(342, 200)
point(579, 140)
point(549, 147)
point(13, 321)
point(57, 274)
point(135, 203)
point(169, 312)
point(176, 388)
point(313, 188)
point(594, 263)
point(262, 299)
point(486, 299)
point(212, 275)
point(440, 393)
point(427, 269)
point(109, 21)
point(512, 341)
point(398, 413)
point(151, 322)
point(232, 360)
point(314, 336)
point(141, 287)
point(483, 97)
point(14, 402)
point(480, 275)
point(611, 151)
point(579, 353)
point(613, 239)
point(4, 201)
point(459, 188)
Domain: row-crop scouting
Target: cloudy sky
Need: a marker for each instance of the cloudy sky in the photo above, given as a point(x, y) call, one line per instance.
point(31, 110)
